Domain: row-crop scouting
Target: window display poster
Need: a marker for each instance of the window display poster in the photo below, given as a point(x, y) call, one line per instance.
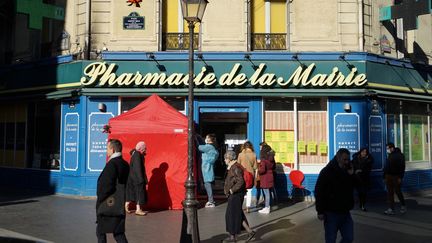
point(322, 147)
point(311, 147)
point(416, 139)
point(301, 146)
point(282, 142)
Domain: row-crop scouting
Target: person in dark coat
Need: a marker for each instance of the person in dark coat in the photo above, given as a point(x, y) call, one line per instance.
point(136, 186)
point(394, 171)
point(334, 197)
point(235, 190)
point(265, 172)
point(115, 171)
point(362, 162)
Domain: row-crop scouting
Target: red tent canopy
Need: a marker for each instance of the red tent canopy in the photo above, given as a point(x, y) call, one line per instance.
point(164, 130)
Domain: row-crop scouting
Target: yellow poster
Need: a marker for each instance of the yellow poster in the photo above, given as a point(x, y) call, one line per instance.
point(301, 146)
point(275, 146)
point(290, 158)
point(290, 137)
point(268, 136)
point(290, 147)
point(283, 136)
point(312, 147)
point(322, 148)
point(283, 147)
point(283, 158)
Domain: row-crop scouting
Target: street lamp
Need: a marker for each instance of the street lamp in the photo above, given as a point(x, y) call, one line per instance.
point(193, 11)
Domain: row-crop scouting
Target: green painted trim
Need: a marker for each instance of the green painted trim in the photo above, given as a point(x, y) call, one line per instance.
point(399, 88)
point(403, 96)
point(54, 86)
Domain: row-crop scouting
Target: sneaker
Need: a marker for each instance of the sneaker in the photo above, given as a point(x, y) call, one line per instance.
point(363, 209)
point(210, 205)
point(265, 210)
point(389, 211)
point(403, 209)
point(141, 213)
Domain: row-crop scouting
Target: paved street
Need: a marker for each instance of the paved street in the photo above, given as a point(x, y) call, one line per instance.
point(49, 218)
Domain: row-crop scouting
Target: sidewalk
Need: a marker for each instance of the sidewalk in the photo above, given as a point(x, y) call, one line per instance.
point(51, 218)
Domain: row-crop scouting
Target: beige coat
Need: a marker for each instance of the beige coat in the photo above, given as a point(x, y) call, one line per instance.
point(247, 158)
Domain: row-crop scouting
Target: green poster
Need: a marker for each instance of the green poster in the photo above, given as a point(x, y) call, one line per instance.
point(311, 147)
point(268, 136)
point(290, 147)
point(301, 146)
point(322, 147)
point(416, 138)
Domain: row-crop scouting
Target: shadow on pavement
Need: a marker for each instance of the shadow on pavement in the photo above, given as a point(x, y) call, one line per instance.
point(15, 240)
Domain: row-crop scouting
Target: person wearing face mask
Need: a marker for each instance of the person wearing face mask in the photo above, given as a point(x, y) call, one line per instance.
point(334, 197)
point(209, 155)
point(394, 171)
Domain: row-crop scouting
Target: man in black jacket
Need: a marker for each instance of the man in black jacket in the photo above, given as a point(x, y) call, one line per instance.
point(394, 171)
point(334, 197)
point(116, 172)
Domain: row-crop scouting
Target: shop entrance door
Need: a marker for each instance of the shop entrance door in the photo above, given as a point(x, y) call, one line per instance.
point(230, 128)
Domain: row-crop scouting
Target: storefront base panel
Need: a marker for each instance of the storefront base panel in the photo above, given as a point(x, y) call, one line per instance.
point(56, 182)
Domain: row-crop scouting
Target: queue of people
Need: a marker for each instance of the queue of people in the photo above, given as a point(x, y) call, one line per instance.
point(122, 183)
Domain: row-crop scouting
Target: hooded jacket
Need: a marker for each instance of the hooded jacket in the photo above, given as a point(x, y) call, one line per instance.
point(334, 189)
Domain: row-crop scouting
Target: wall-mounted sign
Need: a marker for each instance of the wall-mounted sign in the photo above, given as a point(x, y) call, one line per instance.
point(97, 140)
point(347, 132)
point(385, 44)
point(102, 74)
point(376, 141)
point(133, 22)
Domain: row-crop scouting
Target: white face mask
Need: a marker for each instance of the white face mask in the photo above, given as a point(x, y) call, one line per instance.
point(388, 151)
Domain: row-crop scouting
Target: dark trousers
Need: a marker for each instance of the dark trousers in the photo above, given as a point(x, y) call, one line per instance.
point(362, 191)
point(393, 184)
point(120, 238)
point(334, 222)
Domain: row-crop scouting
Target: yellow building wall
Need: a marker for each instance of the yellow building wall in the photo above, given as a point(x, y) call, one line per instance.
point(170, 16)
point(278, 17)
point(258, 16)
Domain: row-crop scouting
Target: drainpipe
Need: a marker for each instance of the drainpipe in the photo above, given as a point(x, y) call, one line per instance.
point(248, 26)
point(288, 25)
point(88, 30)
point(360, 26)
point(159, 24)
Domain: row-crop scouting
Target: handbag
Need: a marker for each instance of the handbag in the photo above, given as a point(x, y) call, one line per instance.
point(114, 205)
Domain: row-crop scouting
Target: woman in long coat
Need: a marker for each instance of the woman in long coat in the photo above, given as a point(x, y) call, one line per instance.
point(265, 172)
point(247, 158)
point(235, 190)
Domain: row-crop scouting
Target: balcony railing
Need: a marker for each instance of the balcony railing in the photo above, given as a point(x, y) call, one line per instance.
point(178, 41)
point(268, 41)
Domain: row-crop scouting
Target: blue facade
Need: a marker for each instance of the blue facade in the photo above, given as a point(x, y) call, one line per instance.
point(355, 118)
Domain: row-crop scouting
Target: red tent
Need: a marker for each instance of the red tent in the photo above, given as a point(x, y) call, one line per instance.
point(164, 130)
